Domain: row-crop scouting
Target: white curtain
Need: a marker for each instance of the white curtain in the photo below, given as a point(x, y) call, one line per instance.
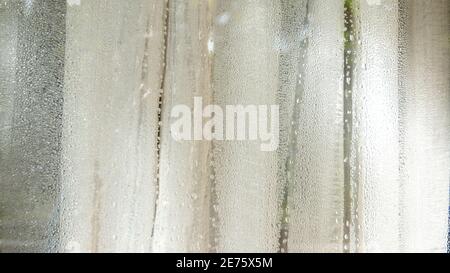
point(88, 163)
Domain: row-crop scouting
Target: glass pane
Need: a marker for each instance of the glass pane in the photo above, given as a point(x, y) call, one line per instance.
point(224, 126)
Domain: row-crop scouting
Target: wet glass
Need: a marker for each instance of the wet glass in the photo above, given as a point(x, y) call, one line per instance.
point(88, 161)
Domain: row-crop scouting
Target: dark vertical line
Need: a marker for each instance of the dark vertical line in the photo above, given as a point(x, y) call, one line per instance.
point(300, 45)
point(213, 213)
point(54, 226)
point(402, 52)
point(448, 237)
point(349, 66)
point(213, 201)
point(214, 218)
point(166, 15)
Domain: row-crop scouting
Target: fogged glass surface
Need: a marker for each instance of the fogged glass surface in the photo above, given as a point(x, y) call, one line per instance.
point(89, 161)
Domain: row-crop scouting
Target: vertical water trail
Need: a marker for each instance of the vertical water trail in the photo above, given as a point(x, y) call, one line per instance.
point(114, 67)
point(351, 188)
point(426, 127)
point(32, 41)
point(375, 154)
point(182, 217)
point(246, 72)
point(316, 191)
point(292, 45)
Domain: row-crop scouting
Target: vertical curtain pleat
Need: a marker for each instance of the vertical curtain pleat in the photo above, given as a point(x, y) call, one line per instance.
point(182, 216)
point(245, 67)
point(400, 127)
point(375, 155)
point(425, 126)
point(316, 188)
point(292, 45)
point(112, 88)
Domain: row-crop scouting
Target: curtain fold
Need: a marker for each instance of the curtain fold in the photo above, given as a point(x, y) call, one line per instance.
point(183, 208)
point(375, 154)
point(315, 199)
point(425, 118)
point(246, 61)
point(114, 67)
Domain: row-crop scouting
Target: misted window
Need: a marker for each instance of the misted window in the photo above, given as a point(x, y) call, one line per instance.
point(224, 126)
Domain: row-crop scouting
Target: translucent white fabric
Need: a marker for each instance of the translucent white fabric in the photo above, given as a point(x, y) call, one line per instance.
point(88, 162)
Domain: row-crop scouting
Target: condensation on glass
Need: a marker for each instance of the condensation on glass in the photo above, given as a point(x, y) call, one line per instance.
point(88, 163)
